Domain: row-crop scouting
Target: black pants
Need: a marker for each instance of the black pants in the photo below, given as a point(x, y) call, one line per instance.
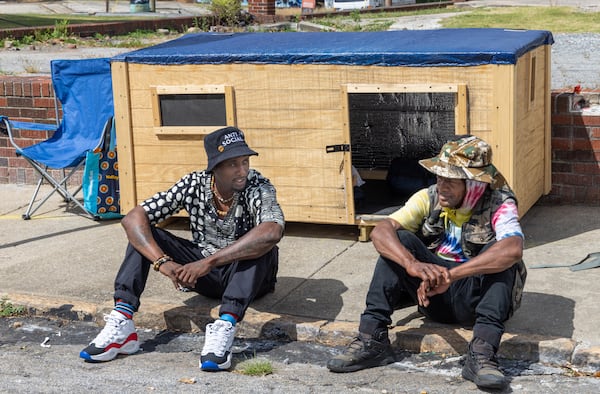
point(236, 284)
point(483, 301)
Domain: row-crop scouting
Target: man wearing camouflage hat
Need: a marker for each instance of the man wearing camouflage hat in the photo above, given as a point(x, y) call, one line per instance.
point(455, 250)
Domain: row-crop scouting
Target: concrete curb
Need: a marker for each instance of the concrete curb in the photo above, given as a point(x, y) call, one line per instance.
point(429, 337)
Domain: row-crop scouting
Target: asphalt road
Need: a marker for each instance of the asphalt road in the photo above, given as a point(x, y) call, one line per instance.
point(39, 355)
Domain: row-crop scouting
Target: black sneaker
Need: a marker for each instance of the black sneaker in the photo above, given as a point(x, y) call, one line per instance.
point(364, 353)
point(481, 366)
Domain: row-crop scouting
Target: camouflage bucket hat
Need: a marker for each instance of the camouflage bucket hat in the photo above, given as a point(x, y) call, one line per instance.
point(466, 158)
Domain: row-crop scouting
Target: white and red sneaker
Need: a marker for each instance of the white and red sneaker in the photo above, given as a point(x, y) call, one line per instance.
point(117, 337)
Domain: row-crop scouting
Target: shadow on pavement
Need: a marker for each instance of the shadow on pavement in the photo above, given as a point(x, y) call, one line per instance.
point(316, 300)
point(542, 316)
point(544, 224)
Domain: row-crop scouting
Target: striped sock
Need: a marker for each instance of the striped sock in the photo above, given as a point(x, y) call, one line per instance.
point(230, 317)
point(125, 309)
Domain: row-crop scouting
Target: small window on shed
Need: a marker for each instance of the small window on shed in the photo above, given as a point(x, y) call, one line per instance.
point(192, 109)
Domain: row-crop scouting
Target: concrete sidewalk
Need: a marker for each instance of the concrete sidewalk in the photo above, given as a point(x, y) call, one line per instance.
point(62, 264)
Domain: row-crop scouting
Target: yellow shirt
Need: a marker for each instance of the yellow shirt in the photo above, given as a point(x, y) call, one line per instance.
point(411, 215)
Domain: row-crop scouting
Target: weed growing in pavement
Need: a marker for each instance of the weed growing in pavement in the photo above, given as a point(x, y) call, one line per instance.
point(41, 35)
point(30, 66)
point(9, 42)
point(60, 33)
point(61, 29)
point(202, 24)
point(129, 43)
point(377, 26)
point(137, 39)
point(255, 367)
point(27, 40)
point(7, 309)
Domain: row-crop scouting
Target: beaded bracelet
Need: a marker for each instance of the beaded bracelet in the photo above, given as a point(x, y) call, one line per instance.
point(160, 261)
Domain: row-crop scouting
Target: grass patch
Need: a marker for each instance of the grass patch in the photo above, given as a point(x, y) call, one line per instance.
point(33, 20)
point(255, 367)
point(555, 19)
point(7, 309)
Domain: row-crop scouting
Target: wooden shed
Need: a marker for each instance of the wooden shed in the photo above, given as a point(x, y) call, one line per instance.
point(315, 104)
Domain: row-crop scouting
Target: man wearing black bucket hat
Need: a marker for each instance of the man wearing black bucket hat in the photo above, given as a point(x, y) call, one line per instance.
point(236, 223)
point(454, 250)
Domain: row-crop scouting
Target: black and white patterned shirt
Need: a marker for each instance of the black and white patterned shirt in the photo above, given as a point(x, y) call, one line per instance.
point(256, 204)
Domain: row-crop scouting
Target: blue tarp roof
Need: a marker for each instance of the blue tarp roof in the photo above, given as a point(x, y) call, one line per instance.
point(427, 48)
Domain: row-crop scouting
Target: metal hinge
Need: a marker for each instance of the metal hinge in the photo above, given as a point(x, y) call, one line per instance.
point(337, 148)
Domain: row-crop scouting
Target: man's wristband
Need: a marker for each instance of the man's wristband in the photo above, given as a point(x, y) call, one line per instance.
point(160, 261)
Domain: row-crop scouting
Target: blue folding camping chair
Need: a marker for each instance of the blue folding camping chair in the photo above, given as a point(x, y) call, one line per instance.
point(84, 90)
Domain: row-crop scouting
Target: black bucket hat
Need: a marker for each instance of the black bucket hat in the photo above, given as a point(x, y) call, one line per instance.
point(225, 144)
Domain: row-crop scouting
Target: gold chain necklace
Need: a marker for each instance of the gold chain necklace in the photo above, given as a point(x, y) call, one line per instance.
point(218, 199)
point(222, 200)
point(221, 213)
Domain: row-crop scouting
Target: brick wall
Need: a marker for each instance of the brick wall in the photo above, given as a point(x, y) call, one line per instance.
point(28, 99)
point(263, 11)
point(575, 149)
point(575, 138)
point(261, 7)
